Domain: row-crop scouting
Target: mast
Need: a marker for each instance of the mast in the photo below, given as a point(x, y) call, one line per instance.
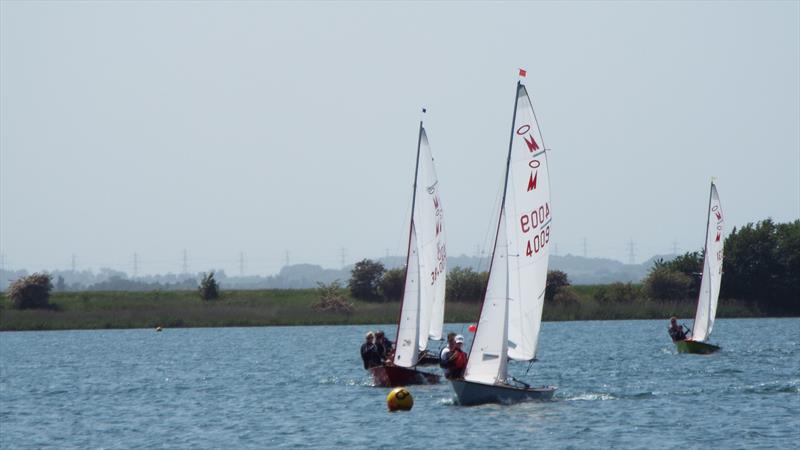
point(410, 234)
point(497, 232)
point(706, 261)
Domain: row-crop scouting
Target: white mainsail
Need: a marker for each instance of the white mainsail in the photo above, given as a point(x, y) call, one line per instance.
point(422, 310)
point(512, 308)
point(433, 255)
point(712, 270)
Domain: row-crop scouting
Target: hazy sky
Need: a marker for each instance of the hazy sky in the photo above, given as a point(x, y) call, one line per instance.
point(220, 128)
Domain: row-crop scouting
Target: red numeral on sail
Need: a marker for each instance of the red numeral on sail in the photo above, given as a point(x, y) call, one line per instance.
point(535, 218)
point(538, 242)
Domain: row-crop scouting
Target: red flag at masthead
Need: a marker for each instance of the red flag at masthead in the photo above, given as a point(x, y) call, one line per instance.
point(523, 72)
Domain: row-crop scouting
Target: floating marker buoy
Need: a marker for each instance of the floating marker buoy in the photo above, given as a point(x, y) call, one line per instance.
point(158, 328)
point(399, 400)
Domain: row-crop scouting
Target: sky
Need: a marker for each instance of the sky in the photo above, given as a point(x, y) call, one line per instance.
point(275, 131)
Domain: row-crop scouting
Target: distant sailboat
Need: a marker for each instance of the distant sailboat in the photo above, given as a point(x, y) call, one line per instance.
point(710, 284)
point(422, 310)
point(511, 314)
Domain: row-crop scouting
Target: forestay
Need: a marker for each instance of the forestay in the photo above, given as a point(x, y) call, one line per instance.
point(712, 270)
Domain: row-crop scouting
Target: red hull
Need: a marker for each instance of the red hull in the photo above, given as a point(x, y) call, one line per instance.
point(392, 376)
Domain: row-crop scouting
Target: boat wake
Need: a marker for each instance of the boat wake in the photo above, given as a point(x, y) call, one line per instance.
point(773, 387)
point(450, 401)
point(345, 381)
point(591, 396)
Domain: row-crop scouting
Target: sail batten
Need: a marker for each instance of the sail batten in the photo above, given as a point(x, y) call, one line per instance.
point(712, 269)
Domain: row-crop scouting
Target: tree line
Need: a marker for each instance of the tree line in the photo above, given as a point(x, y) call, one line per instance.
point(761, 267)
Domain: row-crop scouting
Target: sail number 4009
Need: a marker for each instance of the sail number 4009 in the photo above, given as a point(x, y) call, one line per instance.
point(535, 218)
point(538, 242)
point(530, 222)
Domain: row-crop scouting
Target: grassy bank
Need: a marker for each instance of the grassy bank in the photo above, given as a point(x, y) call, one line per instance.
point(98, 310)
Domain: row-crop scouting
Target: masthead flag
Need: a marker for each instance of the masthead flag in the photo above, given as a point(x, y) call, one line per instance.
point(522, 72)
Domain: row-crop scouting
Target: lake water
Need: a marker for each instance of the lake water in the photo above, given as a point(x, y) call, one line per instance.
point(621, 384)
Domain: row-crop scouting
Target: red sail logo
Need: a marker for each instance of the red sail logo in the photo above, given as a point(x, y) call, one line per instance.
point(524, 131)
point(532, 145)
point(532, 181)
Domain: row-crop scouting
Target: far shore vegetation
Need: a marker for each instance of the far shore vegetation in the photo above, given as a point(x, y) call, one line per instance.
point(761, 278)
point(106, 310)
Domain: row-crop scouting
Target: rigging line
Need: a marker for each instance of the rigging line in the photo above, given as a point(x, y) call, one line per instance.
point(529, 366)
point(490, 228)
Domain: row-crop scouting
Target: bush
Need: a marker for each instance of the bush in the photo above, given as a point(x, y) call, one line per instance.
point(209, 288)
point(466, 285)
point(556, 280)
point(392, 284)
point(566, 296)
point(665, 284)
point(365, 278)
point(332, 299)
point(31, 292)
point(618, 293)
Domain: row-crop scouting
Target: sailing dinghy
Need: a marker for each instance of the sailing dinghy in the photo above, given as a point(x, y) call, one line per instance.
point(511, 314)
point(422, 309)
point(710, 284)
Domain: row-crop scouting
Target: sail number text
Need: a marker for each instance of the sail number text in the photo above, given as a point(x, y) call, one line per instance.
point(441, 257)
point(537, 223)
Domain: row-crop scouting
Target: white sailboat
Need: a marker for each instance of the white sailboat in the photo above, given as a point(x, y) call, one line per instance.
point(710, 284)
point(511, 314)
point(422, 309)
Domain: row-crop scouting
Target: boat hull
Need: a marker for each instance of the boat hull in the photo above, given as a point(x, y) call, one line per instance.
point(700, 348)
point(427, 358)
point(470, 393)
point(392, 376)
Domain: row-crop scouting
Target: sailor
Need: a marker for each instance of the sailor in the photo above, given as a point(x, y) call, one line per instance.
point(369, 352)
point(457, 361)
point(445, 354)
point(676, 331)
point(384, 345)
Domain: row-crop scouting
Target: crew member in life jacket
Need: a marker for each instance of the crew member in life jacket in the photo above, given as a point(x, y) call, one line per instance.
point(676, 331)
point(445, 354)
point(457, 360)
point(369, 352)
point(385, 347)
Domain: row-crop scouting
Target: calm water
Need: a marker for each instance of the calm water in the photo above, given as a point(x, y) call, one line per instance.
point(621, 384)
